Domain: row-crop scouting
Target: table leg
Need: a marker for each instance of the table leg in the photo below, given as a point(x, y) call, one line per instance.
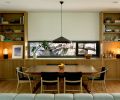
point(86, 87)
point(36, 87)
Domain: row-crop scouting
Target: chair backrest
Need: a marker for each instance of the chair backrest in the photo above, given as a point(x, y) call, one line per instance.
point(73, 75)
point(103, 72)
point(49, 75)
point(19, 75)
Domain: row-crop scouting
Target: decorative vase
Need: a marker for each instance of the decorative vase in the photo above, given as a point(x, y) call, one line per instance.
point(88, 56)
point(34, 56)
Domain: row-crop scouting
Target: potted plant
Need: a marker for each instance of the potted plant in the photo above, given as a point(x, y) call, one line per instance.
point(45, 45)
point(46, 48)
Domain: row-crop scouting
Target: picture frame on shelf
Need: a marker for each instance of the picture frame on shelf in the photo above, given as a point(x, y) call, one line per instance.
point(17, 51)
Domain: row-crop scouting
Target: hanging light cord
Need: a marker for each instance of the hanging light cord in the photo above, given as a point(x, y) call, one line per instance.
point(61, 2)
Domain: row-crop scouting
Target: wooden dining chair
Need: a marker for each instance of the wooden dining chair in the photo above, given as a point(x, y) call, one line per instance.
point(23, 78)
point(100, 76)
point(73, 78)
point(49, 79)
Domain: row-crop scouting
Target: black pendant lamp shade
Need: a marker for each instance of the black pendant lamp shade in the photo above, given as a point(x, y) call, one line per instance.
point(61, 39)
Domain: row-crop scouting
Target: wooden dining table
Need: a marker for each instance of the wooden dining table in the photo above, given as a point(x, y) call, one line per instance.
point(85, 69)
point(67, 68)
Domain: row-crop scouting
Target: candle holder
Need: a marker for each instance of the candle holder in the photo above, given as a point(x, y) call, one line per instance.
point(5, 53)
point(5, 56)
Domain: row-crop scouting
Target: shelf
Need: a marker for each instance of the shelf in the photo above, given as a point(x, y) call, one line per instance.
point(111, 41)
point(11, 24)
point(12, 41)
point(11, 32)
point(111, 32)
point(112, 24)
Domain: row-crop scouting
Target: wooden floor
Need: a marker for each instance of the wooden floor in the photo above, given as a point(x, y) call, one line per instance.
point(10, 87)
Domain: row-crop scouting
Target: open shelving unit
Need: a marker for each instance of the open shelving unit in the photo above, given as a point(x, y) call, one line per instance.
point(13, 31)
point(110, 33)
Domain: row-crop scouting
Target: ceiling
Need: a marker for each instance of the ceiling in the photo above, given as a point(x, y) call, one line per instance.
point(54, 5)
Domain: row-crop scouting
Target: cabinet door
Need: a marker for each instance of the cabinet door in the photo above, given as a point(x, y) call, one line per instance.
point(112, 73)
point(4, 69)
point(13, 65)
point(8, 68)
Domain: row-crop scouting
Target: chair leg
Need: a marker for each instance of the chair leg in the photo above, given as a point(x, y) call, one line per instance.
point(58, 86)
point(31, 87)
point(41, 86)
point(64, 86)
point(91, 86)
point(17, 86)
point(102, 86)
point(105, 86)
point(81, 86)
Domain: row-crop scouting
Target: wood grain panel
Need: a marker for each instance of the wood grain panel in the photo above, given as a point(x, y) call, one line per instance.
point(112, 64)
point(112, 69)
point(7, 67)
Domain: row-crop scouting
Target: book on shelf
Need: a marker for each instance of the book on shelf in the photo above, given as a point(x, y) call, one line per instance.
point(22, 20)
point(1, 19)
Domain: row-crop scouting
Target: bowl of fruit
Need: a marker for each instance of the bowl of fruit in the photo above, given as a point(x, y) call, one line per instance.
point(61, 66)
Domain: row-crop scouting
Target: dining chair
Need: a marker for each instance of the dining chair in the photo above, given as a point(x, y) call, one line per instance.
point(73, 78)
point(49, 79)
point(100, 76)
point(23, 77)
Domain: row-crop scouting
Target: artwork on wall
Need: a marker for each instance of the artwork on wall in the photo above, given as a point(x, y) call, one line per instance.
point(17, 51)
point(47, 49)
point(88, 47)
point(73, 49)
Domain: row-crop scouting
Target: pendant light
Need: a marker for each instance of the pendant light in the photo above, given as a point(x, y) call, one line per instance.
point(61, 39)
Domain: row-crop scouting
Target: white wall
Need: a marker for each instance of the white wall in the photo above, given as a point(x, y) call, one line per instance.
point(76, 25)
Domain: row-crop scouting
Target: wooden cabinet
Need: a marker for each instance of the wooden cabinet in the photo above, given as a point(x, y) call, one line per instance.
point(112, 64)
point(37, 62)
point(8, 68)
point(110, 42)
point(110, 33)
point(13, 31)
point(113, 68)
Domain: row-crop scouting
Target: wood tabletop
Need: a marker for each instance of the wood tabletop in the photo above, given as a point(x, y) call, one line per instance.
point(67, 68)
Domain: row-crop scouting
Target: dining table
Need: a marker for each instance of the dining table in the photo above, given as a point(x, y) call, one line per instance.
point(85, 69)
